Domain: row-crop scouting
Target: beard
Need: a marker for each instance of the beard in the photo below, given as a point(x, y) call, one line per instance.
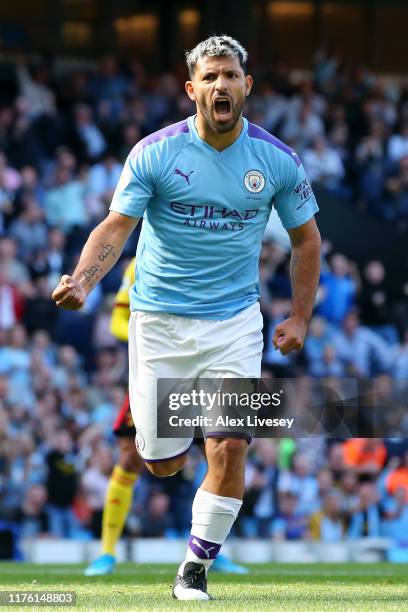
point(221, 126)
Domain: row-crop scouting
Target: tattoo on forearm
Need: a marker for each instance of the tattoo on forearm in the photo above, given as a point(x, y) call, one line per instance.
point(107, 249)
point(94, 272)
point(89, 273)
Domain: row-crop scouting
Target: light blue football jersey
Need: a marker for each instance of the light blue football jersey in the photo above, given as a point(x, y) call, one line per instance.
point(204, 215)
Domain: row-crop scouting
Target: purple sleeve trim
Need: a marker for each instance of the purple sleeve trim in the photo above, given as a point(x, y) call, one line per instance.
point(254, 131)
point(170, 130)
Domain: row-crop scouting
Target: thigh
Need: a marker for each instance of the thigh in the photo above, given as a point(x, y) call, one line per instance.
point(235, 346)
point(236, 355)
point(155, 352)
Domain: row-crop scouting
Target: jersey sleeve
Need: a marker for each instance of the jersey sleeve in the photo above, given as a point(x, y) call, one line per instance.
point(135, 187)
point(295, 201)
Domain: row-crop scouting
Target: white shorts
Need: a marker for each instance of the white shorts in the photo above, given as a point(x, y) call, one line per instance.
point(170, 346)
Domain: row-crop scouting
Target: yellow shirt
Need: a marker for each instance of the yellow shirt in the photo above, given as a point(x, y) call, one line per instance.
point(120, 312)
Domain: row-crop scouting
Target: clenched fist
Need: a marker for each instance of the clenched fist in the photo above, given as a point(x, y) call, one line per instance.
point(69, 294)
point(290, 335)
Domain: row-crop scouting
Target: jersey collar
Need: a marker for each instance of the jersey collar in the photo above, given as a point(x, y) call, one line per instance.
point(199, 141)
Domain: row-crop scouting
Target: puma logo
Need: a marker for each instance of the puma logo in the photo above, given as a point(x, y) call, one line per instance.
point(205, 550)
point(186, 176)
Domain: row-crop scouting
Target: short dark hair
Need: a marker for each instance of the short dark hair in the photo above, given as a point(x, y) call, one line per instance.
point(216, 46)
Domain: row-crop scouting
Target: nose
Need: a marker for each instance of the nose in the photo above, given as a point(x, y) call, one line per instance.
point(221, 83)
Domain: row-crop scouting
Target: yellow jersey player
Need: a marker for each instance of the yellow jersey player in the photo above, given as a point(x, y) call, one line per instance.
point(119, 494)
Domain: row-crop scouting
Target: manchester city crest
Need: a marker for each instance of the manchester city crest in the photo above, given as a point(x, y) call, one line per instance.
point(254, 181)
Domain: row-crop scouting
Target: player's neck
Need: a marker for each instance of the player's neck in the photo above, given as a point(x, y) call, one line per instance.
point(214, 139)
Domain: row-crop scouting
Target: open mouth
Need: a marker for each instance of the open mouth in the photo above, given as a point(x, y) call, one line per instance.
point(222, 107)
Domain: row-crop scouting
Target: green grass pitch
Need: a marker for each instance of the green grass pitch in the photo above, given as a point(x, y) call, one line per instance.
point(274, 587)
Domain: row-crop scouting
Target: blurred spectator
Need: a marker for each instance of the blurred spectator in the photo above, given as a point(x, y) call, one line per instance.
point(131, 135)
point(336, 461)
point(338, 288)
point(102, 180)
point(302, 127)
point(375, 303)
point(108, 88)
point(365, 456)
point(10, 179)
point(328, 524)
point(62, 486)
point(289, 523)
point(35, 88)
point(363, 352)
point(372, 167)
point(302, 483)
point(261, 490)
point(15, 270)
point(270, 105)
point(323, 165)
point(397, 479)
point(326, 64)
point(11, 301)
point(366, 519)
point(397, 189)
point(29, 229)
point(398, 144)
point(55, 256)
point(95, 483)
point(155, 519)
point(65, 202)
point(40, 312)
point(322, 359)
point(88, 141)
point(348, 488)
point(31, 188)
point(399, 360)
point(31, 517)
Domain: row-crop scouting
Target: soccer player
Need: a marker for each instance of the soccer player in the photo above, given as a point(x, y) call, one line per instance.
point(205, 188)
point(119, 495)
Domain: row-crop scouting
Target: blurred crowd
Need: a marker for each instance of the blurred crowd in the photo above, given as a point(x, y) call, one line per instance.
point(64, 136)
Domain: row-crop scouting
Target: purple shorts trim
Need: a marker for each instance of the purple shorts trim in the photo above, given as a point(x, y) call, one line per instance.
point(167, 458)
point(229, 434)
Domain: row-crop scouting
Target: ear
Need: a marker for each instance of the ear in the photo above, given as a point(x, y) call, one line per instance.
point(190, 90)
point(249, 82)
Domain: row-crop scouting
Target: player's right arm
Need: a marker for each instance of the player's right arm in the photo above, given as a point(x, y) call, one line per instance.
point(101, 251)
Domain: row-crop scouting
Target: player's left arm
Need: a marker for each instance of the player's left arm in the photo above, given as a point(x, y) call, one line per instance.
point(305, 271)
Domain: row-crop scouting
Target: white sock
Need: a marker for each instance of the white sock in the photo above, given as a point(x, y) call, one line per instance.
point(213, 517)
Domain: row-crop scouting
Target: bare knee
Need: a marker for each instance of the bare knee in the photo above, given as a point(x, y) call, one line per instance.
point(129, 459)
point(166, 468)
